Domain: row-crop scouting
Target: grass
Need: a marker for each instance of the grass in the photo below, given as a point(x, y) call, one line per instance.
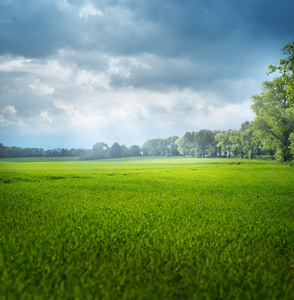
point(146, 228)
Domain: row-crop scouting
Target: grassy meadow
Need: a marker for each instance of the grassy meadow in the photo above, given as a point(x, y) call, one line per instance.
point(146, 228)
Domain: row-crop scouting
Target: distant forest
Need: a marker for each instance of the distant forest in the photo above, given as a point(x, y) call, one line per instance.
point(203, 143)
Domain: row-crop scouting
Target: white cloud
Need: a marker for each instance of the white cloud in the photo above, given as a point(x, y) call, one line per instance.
point(89, 10)
point(91, 80)
point(231, 114)
point(73, 115)
point(116, 66)
point(129, 112)
point(15, 65)
point(40, 89)
point(8, 115)
point(46, 68)
point(44, 115)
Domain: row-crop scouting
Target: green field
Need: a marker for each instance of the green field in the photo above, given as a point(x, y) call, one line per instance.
point(146, 228)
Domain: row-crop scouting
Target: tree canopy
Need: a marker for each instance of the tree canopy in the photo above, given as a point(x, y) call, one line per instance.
point(286, 70)
point(274, 120)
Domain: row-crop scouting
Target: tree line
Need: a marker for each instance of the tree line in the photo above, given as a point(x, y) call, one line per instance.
point(271, 131)
point(10, 152)
point(203, 143)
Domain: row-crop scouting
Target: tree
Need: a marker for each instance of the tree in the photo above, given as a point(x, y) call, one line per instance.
point(186, 144)
point(189, 138)
point(286, 70)
point(162, 147)
point(125, 151)
point(250, 141)
point(223, 139)
point(274, 120)
point(150, 148)
point(203, 140)
point(100, 150)
point(115, 151)
point(171, 146)
point(237, 146)
point(245, 125)
point(182, 146)
point(243, 140)
point(135, 150)
point(63, 152)
point(2, 150)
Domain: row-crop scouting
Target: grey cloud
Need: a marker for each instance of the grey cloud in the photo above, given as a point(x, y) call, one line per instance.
point(27, 26)
point(169, 28)
point(165, 74)
point(89, 60)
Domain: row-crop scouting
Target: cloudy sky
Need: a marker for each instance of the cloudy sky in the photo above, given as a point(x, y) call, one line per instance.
point(75, 72)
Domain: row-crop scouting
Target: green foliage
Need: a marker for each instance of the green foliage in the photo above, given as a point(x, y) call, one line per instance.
point(146, 228)
point(204, 140)
point(250, 141)
point(237, 140)
point(135, 150)
point(185, 144)
point(292, 142)
point(10, 152)
point(286, 70)
point(115, 151)
point(100, 151)
point(274, 120)
point(245, 125)
point(197, 143)
point(224, 141)
point(151, 148)
point(161, 147)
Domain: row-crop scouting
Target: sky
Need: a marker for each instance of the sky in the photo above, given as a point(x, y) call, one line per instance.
point(77, 72)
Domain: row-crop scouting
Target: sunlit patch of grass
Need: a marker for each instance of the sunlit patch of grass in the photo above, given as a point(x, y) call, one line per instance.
point(147, 229)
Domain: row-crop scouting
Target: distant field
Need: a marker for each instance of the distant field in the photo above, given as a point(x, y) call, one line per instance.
point(146, 228)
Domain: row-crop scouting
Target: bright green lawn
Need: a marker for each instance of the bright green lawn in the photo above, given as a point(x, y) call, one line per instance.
point(146, 228)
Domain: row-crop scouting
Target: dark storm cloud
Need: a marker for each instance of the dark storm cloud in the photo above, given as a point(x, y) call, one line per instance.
point(203, 29)
point(29, 28)
point(211, 39)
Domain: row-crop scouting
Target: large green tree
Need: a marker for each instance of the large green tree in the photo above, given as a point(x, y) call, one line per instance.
point(274, 120)
point(286, 70)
